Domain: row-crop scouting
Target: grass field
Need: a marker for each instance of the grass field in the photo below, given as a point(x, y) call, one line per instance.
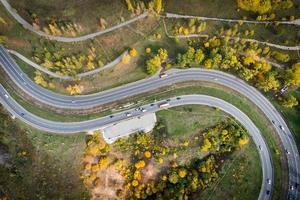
point(42, 165)
point(84, 13)
point(190, 119)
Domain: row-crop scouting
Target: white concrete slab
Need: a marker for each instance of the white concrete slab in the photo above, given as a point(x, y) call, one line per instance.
point(144, 123)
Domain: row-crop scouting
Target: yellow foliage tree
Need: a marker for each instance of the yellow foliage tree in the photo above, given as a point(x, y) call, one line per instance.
point(147, 154)
point(290, 102)
point(38, 79)
point(259, 6)
point(74, 89)
point(140, 164)
point(126, 59)
point(293, 75)
point(206, 145)
point(243, 140)
point(2, 21)
point(158, 6)
point(135, 183)
point(133, 52)
point(129, 5)
point(182, 173)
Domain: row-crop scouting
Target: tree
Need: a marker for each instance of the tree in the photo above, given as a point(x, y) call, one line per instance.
point(206, 145)
point(182, 173)
point(292, 75)
point(126, 59)
point(268, 83)
point(158, 6)
point(243, 140)
point(250, 57)
point(74, 89)
point(290, 102)
point(173, 177)
point(199, 56)
point(140, 164)
point(129, 5)
point(133, 52)
point(279, 56)
point(153, 64)
point(163, 54)
point(147, 154)
point(259, 6)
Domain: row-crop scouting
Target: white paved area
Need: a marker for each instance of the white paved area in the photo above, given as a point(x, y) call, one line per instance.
point(144, 123)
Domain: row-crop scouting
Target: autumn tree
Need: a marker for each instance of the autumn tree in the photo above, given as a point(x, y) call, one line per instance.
point(269, 82)
point(292, 75)
point(133, 52)
point(74, 89)
point(259, 6)
point(290, 102)
point(126, 59)
point(153, 64)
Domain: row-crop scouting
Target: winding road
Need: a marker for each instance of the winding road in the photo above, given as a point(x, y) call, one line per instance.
point(29, 27)
point(139, 87)
point(76, 127)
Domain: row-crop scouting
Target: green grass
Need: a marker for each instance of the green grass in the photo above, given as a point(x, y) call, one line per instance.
point(190, 119)
point(240, 177)
point(51, 167)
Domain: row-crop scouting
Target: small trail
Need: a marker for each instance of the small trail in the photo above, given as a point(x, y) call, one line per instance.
point(29, 27)
point(65, 77)
point(179, 16)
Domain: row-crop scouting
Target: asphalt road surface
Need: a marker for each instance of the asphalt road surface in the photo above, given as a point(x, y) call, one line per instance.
point(74, 127)
point(174, 76)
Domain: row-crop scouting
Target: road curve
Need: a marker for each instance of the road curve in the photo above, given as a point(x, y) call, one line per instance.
point(142, 86)
point(74, 127)
point(29, 27)
point(66, 77)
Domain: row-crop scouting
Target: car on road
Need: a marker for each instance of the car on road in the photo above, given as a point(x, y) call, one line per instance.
point(168, 99)
point(143, 110)
point(6, 96)
point(287, 151)
point(281, 127)
point(163, 75)
point(152, 104)
point(291, 187)
point(259, 147)
point(128, 114)
point(73, 101)
point(22, 114)
point(268, 192)
point(273, 121)
point(178, 98)
point(269, 181)
point(111, 116)
point(165, 104)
